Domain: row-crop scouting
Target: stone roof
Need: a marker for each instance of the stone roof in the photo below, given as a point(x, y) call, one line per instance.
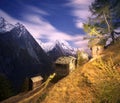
point(36, 78)
point(64, 60)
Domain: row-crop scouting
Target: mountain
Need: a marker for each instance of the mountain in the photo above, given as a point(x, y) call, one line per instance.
point(20, 55)
point(58, 48)
point(5, 26)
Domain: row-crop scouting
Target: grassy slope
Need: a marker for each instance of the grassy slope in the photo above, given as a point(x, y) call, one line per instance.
point(81, 85)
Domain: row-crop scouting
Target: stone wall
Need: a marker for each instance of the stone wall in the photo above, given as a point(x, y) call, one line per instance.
point(97, 50)
point(72, 65)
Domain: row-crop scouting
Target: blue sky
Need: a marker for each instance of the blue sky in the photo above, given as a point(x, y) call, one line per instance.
point(49, 20)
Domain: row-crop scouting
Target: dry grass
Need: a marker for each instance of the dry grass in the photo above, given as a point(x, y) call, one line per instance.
point(109, 84)
point(84, 84)
point(75, 88)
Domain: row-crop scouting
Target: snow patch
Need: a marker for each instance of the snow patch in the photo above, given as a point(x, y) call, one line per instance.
point(22, 29)
point(64, 45)
point(5, 26)
point(108, 42)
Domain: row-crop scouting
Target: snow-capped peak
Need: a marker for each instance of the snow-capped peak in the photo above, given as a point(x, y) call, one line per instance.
point(5, 26)
point(63, 45)
point(21, 29)
point(48, 46)
point(20, 26)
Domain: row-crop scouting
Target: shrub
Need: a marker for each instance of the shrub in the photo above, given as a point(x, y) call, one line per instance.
point(82, 57)
point(5, 88)
point(25, 85)
point(109, 84)
point(41, 98)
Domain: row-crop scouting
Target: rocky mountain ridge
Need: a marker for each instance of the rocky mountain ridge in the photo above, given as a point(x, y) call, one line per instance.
point(20, 55)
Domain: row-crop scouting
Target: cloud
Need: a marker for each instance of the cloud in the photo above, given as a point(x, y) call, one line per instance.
point(42, 29)
point(31, 8)
point(82, 43)
point(80, 11)
point(36, 10)
point(79, 24)
point(7, 17)
point(80, 2)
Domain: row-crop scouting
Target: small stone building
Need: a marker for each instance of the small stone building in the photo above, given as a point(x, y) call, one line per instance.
point(97, 50)
point(65, 65)
point(97, 46)
point(35, 82)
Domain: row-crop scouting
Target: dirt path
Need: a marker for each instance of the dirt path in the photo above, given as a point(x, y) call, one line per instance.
point(22, 96)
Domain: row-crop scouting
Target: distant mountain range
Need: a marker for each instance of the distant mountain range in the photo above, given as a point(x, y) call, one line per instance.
point(58, 48)
point(20, 55)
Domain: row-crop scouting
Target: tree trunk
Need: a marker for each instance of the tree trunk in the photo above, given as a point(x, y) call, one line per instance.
point(112, 35)
point(108, 25)
point(110, 30)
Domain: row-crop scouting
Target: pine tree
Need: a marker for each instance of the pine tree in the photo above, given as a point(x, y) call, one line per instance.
point(105, 13)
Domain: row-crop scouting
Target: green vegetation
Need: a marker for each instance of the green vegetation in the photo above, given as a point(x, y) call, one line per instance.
point(82, 58)
point(109, 84)
point(105, 14)
point(41, 98)
point(96, 41)
point(5, 88)
point(25, 86)
point(91, 29)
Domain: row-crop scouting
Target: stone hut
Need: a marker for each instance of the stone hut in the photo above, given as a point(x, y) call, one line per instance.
point(97, 50)
point(35, 82)
point(65, 65)
point(97, 46)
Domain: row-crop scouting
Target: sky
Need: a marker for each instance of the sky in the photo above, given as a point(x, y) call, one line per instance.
point(49, 20)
